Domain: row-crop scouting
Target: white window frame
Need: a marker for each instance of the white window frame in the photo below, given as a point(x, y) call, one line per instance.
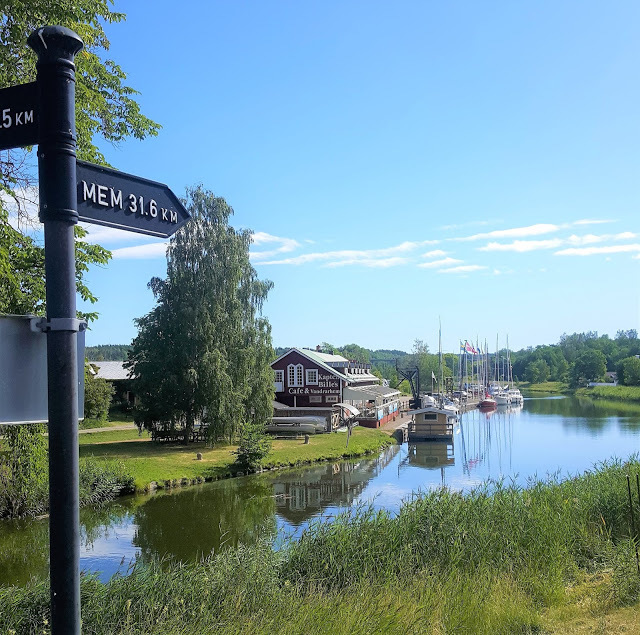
point(295, 375)
point(278, 380)
point(331, 399)
point(309, 373)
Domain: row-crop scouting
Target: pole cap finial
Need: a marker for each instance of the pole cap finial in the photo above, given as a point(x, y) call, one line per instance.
point(54, 42)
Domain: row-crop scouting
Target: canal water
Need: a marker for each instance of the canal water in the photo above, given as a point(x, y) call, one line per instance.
point(547, 435)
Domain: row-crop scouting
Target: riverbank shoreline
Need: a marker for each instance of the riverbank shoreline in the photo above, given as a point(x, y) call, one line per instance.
point(164, 466)
point(613, 393)
point(490, 562)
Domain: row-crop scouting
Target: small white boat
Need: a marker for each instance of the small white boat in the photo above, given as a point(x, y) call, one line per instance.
point(432, 424)
point(297, 425)
point(516, 396)
point(503, 399)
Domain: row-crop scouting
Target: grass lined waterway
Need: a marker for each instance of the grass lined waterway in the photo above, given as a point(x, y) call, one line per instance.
point(548, 435)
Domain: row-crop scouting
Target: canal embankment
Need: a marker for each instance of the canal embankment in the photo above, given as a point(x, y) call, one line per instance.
point(161, 465)
point(502, 560)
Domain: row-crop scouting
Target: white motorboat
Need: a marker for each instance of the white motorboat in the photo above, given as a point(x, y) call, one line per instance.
point(297, 425)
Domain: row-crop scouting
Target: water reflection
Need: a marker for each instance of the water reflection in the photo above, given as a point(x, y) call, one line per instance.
point(545, 436)
point(304, 493)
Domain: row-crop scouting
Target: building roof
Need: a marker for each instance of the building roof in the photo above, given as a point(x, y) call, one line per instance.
point(111, 370)
point(335, 364)
point(325, 358)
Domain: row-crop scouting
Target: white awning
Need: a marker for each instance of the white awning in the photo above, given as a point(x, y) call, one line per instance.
point(352, 410)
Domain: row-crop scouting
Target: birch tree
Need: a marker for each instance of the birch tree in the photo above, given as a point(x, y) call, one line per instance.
point(204, 351)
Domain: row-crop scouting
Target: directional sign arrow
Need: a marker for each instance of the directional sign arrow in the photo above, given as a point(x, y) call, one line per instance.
point(19, 116)
point(115, 199)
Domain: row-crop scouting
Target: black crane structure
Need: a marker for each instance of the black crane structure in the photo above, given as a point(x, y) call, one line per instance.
point(412, 375)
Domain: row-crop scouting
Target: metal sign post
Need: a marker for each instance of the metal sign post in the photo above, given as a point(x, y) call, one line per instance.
point(56, 48)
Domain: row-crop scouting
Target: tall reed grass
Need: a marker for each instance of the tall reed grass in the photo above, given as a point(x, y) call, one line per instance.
point(484, 562)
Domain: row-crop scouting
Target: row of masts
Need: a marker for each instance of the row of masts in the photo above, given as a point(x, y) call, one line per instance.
point(477, 371)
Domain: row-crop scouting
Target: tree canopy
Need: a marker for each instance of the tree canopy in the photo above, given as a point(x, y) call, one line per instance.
point(106, 111)
point(204, 351)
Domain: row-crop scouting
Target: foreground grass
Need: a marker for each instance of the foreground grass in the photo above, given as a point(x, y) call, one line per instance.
point(554, 387)
point(174, 464)
point(500, 560)
point(621, 393)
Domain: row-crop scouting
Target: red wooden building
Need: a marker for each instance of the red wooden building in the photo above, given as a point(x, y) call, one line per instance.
point(311, 382)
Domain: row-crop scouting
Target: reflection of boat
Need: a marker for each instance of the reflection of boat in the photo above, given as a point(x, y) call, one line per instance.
point(297, 425)
point(431, 454)
point(431, 423)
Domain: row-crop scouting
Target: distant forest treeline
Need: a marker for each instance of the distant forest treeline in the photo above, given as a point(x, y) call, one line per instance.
point(575, 359)
point(107, 352)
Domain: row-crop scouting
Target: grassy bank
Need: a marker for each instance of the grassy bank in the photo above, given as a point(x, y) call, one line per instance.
point(173, 464)
point(615, 393)
point(100, 481)
point(500, 560)
point(553, 387)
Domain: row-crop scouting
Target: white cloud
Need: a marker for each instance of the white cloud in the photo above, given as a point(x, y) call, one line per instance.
point(516, 232)
point(445, 262)
point(100, 234)
point(436, 253)
point(522, 246)
point(284, 245)
point(351, 256)
point(463, 269)
point(590, 239)
point(593, 251)
point(588, 221)
point(382, 263)
point(141, 252)
point(29, 201)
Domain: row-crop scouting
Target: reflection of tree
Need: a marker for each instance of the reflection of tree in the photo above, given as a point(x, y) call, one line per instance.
point(24, 550)
point(199, 520)
point(303, 493)
point(97, 522)
point(581, 413)
point(24, 544)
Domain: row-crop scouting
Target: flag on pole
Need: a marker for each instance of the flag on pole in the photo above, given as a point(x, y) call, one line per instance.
point(433, 376)
point(469, 348)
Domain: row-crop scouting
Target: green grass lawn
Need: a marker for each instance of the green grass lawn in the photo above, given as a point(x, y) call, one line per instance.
point(112, 436)
point(557, 387)
point(621, 393)
point(169, 463)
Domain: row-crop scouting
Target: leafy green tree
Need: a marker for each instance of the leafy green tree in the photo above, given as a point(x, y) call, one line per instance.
point(355, 352)
point(106, 110)
point(589, 366)
point(629, 371)
point(253, 447)
point(97, 395)
point(537, 372)
point(204, 351)
point(23, 471)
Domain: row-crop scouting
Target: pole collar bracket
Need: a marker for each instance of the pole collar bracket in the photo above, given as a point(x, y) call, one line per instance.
point(58, 324)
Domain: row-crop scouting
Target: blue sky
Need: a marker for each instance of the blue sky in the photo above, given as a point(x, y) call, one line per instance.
point(399, 163)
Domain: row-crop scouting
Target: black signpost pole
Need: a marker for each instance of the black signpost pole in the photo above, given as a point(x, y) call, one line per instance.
point(56, 48)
